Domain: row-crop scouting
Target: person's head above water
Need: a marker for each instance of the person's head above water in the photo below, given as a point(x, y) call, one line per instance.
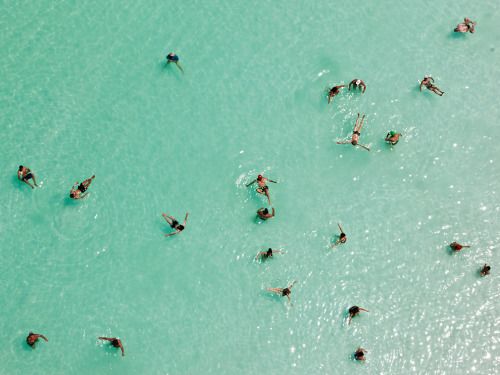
point(172, 54)
point(269, 253)
point(259, 177)
point(72, 195)
point(180, 227)
point(358, 82)
point(487, 268)
point(115, 342)
point(354, 142)
point(266, 211)
point(359, 354)
point(21, 167)
point(425, 77)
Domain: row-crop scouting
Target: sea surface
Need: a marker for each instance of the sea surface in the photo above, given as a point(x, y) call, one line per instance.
point(84, 91)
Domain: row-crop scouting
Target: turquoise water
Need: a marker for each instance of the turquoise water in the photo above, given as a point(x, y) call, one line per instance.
point(83, 92)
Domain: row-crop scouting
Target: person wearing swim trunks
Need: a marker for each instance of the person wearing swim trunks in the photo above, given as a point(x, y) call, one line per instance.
point(334, 91)
point(353, 311)
point(360, 354)
point(264, 213)
point(172, 57)
point(456, 247)
point(355, 135)
point(393, 137)
point(263, 189)
point(268, 253)
point(33, 338)
point(357, 85)
point(115, 342)
point(465, 26)
point(342, 238)
point(485, 271)
point(430, 86)
point(24, 174)
point(82, 188)
point(174, 224)
point(283, 292)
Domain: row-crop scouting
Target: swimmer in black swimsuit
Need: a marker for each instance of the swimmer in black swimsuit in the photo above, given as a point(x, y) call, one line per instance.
point(353, 311)
point(33, 338)
point(23, 174)
point(393, 137)
point(263, 189)
point(283, 292)
point(360, 354)
point(334, 91)
point(115, 342)
point(355, 134)
point(172, 57)
point(268, 253)
point(427, 82)
point(485, 271)
point(343, 237)
point(82, 188)
point(264, 213)
point(174, 224)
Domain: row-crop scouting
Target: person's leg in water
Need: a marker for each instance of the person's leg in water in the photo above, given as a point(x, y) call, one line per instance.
point(356, 126)
point(361, 125)
point(88, 181)
point(168, 221)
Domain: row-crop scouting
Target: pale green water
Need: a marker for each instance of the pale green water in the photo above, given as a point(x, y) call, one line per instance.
point(83, 92)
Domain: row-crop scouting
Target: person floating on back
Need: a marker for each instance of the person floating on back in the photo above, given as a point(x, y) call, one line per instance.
point(33, 338)
point(355, 135)
point(485, 271)
point(263, 189)
point(82, 188)
point(268, 253)
point(353, 311)
point(24, 174)
point(456, 247)
point(465, 26)
point(342, 238)
point(172, 57)
point(430, 86)
point(357, 85)
point(115, 342)
point(174, 224)
point(283, 292)
point(393, 137)
point(360, 354)
point(264, 213)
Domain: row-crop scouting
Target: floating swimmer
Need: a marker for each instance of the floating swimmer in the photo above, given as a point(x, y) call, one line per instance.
point(82, 188)
point(355, 135)
point(33, 338)
point(343, 237)
point(456, 247)
point(485, 271)
point(268, 253)
point(174, 224)
point(360, 354)
point(283, 292)
point(392, 137)
point(430, 86)
point(334, 91)
point(263, 189)
point(353, 311)
point(115, 342)
point(172, 57)
point(357, 84)
point(264, 213)
point(24, 174)
point(465, 26)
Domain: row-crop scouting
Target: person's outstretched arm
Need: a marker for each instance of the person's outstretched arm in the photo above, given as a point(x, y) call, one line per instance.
point(363, 309)
point(105, 338)
point(366, 148)
point(42, 336)
point(289, 300)
point(336, 243)
point(171, 234)
point(350, 316)
point(431, 79)
point(258, 255)
point(290, 287)
point(121, 347)
point(364, 87)
point(330, 97)
point(180, 67)
point(251, 182)
point(185, 219)
point(274, 182)
point(277, 251)
point(421, 83)
point(340, 228)
point(82, 196)
point(273, 215)
point(341, 143)
point(350, 84)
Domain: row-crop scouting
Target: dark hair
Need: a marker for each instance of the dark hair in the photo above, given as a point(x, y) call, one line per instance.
point(20, 167)
point(355, 143)
point(286, 291)
point(180, 227)
point(266, 211)
point(269, 253)
point(71, 195)
point(354, 310)
point(359, 354)
point(115, 342)
point(487, 268)
point(342, 235)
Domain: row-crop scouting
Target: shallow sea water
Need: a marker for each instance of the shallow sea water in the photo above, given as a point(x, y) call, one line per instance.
point(83, 92)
